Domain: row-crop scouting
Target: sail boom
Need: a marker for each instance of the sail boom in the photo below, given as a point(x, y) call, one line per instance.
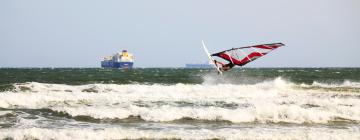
point(262, 46)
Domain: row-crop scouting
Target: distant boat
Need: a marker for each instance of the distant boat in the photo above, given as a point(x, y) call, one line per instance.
point(123, 60)
point(199, 65)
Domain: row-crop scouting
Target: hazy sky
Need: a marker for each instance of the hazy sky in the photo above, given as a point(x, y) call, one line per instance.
point(168, 33)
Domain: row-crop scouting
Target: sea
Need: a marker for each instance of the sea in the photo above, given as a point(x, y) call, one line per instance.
point(178, 103)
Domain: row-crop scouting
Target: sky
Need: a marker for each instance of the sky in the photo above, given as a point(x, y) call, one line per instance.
point(168, 33)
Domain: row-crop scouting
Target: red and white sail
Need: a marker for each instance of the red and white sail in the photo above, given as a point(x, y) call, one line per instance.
point(243, 55)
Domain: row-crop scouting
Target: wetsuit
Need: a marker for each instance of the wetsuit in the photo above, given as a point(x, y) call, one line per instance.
point(227, 67)
point(224, 67)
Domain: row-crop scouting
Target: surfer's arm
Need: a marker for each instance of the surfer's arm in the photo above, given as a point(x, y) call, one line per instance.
point(219, 63)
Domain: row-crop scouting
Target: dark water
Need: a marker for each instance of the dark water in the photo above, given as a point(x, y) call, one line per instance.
point(77, 76)
point(176, 103)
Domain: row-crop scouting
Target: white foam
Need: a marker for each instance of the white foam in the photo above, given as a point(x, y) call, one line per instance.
point(270, 101)
point(346, 83)
point(299, 133)
point(262, 111)
point(2, 113)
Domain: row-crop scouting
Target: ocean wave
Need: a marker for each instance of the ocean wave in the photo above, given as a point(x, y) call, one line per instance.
point(174, 133)
point(209, 81)
point(272, 101)
point(346, 83)
point(346, 86)
point(267, 113)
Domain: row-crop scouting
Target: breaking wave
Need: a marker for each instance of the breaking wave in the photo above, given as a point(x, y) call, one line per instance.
point(272, 101)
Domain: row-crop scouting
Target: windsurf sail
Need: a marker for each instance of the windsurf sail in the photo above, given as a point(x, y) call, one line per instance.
point(243, 55)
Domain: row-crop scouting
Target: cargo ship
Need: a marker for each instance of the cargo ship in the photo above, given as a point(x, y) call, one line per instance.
point(123, 60)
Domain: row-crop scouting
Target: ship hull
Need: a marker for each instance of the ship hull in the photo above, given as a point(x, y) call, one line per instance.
point(117, 65)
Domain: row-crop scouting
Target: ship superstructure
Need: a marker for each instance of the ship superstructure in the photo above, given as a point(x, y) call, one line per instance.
point(121, 60)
